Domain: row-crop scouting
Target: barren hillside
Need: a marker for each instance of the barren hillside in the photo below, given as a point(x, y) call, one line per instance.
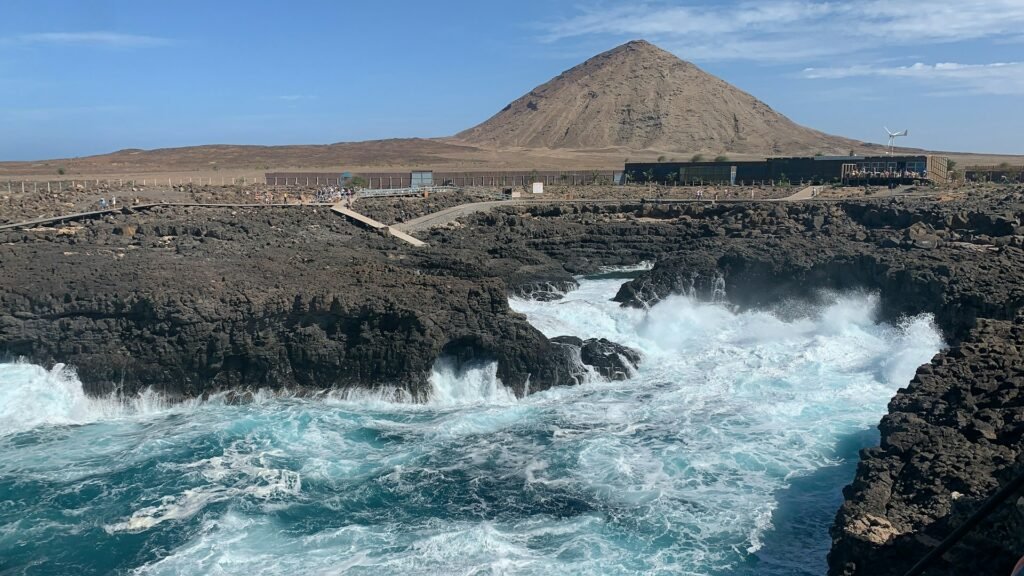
point(639, 96)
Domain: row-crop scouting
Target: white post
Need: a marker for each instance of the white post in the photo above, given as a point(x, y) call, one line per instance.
point(35, 187)
point(47, 185)
point(22, 186)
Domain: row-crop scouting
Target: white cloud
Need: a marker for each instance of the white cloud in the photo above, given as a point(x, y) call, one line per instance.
point(794, 29)
point(112, 39)
point(1002, 78)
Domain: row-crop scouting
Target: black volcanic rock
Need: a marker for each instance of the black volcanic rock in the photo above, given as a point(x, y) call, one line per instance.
point(193, 301)
point(950, 440)
point(611, 360)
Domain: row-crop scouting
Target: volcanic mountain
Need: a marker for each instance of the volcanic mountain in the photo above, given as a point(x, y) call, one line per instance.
point(640, 97)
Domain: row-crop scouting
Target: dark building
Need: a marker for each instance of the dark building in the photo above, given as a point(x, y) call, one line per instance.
point(419, 178)
point(1004, 173)
point(854, 170)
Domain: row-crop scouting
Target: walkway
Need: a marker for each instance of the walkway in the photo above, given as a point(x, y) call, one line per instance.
point(442, 217)
point(375, 225)
point(129, 208)
point(805, 194)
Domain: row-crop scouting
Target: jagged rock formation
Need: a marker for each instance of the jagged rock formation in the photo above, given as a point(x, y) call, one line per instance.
point(198, 301)
point(609, 359)
point(638, 96)
point(191, 302)
point(951, 438)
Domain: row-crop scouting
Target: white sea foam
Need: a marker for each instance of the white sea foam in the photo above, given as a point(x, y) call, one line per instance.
point(473, 383)
point(678, 470)
point(32, 396)
point(239, 472)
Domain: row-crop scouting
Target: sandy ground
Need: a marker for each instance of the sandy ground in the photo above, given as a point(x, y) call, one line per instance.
point(216, 164)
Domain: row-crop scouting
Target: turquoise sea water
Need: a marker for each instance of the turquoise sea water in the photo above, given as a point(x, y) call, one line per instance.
point(725, 454)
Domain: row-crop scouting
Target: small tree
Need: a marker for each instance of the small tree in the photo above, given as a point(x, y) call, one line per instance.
point(60, 171)
point(359, 182)
point(697, 158)
point(661, 158)
point(722, 158)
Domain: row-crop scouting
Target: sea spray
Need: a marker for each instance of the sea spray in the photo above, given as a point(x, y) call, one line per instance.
point(475, 382)
point(32, 396)
point(727, 430)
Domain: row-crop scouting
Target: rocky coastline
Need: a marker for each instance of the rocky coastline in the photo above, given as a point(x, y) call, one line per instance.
point(191, 301)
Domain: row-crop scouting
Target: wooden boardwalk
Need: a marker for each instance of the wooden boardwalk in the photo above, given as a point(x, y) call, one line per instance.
point(128, 209)
point(375, 225)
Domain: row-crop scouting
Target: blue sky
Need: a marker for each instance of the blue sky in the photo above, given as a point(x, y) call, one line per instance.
point(87, 77)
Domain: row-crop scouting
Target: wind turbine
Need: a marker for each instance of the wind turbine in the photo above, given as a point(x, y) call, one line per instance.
point(893, 136)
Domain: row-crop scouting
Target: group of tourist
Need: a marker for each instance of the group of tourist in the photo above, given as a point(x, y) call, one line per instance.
point(328, 194)
point(883, 174)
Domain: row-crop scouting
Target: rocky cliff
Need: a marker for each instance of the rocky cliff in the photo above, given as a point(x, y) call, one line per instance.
point(195, 301)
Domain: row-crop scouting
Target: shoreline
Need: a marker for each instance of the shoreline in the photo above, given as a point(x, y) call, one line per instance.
point(296, 298)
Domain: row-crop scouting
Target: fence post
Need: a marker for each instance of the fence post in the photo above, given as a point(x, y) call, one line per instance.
point(47, 185)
